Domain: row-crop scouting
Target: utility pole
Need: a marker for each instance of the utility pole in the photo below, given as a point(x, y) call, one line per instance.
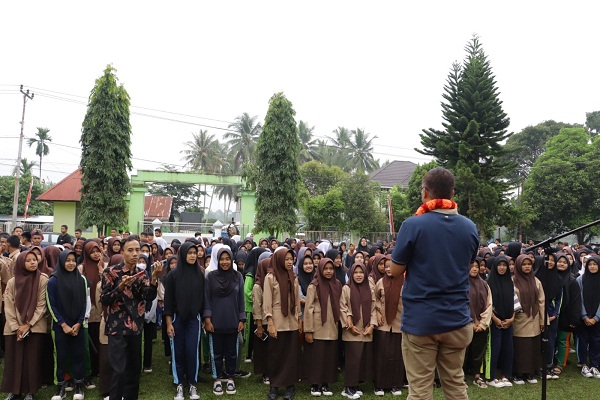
point(26, 96)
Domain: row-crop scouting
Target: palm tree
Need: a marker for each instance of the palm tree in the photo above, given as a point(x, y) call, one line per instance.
point(242, 138)
point(308, 146)
point(327, 154)
point(341, 140)
point(26, 167)
point(361, 152)
point(41, 148)
point(203, 152)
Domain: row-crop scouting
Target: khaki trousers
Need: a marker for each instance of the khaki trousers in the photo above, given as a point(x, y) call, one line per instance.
point(446, 351)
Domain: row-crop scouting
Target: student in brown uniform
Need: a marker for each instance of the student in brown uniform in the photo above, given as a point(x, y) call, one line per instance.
point(389, 365)
point(321, 314)
point(260, 351)
point(281, 308)
point(25, 311)
point(359, 319)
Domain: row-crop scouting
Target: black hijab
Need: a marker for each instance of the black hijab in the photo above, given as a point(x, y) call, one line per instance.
point(304, 278)
point(252, 261)
point(591, 288)
point(220, 282)
point(188, 282)
point(71, 287)
point(551, 281)
point(503, 290)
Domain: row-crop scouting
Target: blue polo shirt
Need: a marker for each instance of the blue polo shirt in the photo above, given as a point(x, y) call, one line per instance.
point(437, 248)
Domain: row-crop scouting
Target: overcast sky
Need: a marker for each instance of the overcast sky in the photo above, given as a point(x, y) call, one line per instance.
point(380, 66)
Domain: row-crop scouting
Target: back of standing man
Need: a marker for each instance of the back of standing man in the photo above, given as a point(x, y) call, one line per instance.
point(435, 248)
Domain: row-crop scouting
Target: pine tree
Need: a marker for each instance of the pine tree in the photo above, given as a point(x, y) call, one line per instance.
point(470, 145)
point(277, 176)
point(106, 155)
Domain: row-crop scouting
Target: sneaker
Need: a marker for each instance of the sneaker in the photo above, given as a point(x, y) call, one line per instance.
point(242, 374)
point(326, 391)
point(266, 380)
point(179, 394)
point(518, 381)
point(230, 388)
point(69, 385)
point(60, 393)
point(595, 372)
point(147, 370)
point(506, 382)
point(378, 392)
point(396, 391)
point(217, 388)
point(496, 383)
point(585, 371)
point(315, 391)
point(78, 394)
point(290, 393)
point(350, 393)
point(193, 393)
point(28, 396)
point(572, 351)
point(358, 391)
point(89, 383)
point(12, 396)
point(248, 360)
point(531, 379)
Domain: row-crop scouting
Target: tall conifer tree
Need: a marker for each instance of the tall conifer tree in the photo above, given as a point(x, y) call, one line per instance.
point(106, 155)
point(277, 174)
point(470, 145)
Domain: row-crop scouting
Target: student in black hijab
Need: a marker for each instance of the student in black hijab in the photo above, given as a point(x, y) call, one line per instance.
point(184, 301)
point(67, 299)
point(569, 316)
point(588, 333)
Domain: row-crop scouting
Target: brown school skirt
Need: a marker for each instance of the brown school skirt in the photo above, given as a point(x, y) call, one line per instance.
point(321, 359)
point(389, 365)
point(260, 356)
point(359, 362)
point(22, 373)
point(283, 359)
point(527, 354)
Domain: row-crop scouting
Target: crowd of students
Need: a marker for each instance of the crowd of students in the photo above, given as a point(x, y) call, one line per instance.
point(298, 310)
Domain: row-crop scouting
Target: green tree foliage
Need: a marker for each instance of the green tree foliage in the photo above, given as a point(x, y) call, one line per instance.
point(242, 139)
point(400, 208)
point(26, 168)
point(325, 211)
point(592, 122)
point(277, 177)
point(524, 148)
point(360, 196)
point(7, 188)
point(106, 154)
point(308, 145)
point(471, 143)
point(203, 153)
point(360, 151)
point(413, 192)
point(40, 140)
point(561, 189)
point(318, 178)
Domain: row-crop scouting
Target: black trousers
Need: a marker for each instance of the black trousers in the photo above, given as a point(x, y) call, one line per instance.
point(72, 347)
point(94, 337)
point(224, 346)
point(125, 358)
point(149, 336)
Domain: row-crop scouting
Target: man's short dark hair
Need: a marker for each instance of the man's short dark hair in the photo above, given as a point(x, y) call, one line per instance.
point(144, 234)
point(14, 241)
point(37, 232)
point(131, 238)
point(18, 227)
point(158, 230)
point(78, 230)
point(113, 229)
point(197, 234)
point(4, 235)
point(26, 235)
point(64, 226)
point(439, 182)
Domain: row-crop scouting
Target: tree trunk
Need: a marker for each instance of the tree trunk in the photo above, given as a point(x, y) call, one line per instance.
point(40, 168)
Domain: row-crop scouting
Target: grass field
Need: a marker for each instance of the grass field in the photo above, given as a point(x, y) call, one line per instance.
point(158, 385)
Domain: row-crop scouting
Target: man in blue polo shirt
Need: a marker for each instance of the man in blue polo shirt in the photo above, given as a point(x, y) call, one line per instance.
point(435, 248)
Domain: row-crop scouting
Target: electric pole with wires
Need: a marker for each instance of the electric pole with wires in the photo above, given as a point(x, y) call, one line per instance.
point(26, 95)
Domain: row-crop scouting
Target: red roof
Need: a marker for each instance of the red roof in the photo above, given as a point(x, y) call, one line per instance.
point(157, 207)
point(66, 190)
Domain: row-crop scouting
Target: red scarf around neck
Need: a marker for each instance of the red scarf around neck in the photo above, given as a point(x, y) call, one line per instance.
point(435, 204)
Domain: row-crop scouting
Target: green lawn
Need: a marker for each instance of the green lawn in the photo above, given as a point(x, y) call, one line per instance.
point(158, 385)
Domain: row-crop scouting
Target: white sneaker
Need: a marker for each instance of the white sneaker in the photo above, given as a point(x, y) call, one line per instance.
point(595, 372)
point(396, 391)
point(506, 382)
point(518, 381)
point(378, 392)
point(531, 379)
point(179, 394)
point(193, 393)
point(230, 387)
point(496, 383)
point(585, 371)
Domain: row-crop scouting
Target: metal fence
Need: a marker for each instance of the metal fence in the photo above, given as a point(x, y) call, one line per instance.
point(27, 226)
point(191, 228)
point(348, 237)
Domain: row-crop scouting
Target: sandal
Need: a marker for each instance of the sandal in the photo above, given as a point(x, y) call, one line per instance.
point(480, 383)
point(557, 370)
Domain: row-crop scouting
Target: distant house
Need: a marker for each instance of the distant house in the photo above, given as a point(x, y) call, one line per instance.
point(396, 172)
point(66, 200)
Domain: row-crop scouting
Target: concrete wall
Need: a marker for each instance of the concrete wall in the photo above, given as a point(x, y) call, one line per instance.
point(64, 214)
